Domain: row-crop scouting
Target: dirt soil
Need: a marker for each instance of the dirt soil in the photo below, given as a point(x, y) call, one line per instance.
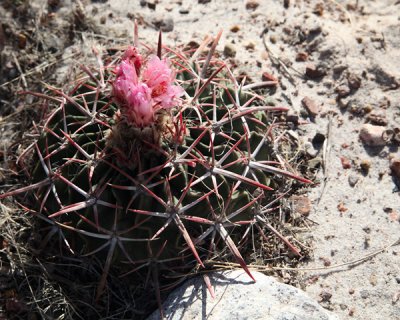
point(338, 66)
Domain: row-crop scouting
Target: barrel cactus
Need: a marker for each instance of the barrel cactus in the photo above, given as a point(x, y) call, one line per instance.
point(157, 162)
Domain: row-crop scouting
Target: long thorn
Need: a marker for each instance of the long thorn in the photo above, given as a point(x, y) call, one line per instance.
point(136, 35)
point(159, 46)
point(210, 54)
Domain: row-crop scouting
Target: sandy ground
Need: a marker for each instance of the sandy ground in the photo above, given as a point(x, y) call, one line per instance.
point(344, 56)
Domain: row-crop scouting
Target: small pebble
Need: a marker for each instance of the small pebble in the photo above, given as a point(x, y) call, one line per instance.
point(314, 72)
point(326, 261)
point(315, 29)
point(372, 135)
point(310, 150)
point(319, 9)
point(235, 28)
point(353, 179)
point(266, 76)
point(250, 46)
point(394, 216)
point(301, 56)
point(395, 167)
point(365, 165)
point(341, 207)
point(164, 24)
point(301, 205)
point(292, 116)
point(325, 296)
point(229, 50)
point(377, 117)
point(338, 69)
point(396, 135)
point(343, 91)
point(367, 230)
point(346, 164)
point(328, 83)
point(192, 45)
point(311, 106)
point(388, 135)
point(367, 108)
point(354, 81)
point(367, 240)
point(286, 4)
point(364, 294)
point(151, 4)
point(252, 5)
point(373, 280)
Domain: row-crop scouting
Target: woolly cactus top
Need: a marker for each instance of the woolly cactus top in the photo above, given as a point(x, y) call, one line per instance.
point(144, 86)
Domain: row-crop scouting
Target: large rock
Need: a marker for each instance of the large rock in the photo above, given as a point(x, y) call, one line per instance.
point(238, 297)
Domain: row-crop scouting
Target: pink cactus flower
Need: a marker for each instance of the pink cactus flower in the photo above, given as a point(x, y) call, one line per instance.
point(134, 58)
point(140, 105)
point(126, 78)
point(133, 97)
point(140, 96)
point(159, 77)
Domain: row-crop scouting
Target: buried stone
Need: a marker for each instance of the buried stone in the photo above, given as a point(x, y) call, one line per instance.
point(237, 297)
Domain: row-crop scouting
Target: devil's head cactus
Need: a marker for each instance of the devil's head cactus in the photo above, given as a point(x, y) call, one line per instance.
point(145, 170)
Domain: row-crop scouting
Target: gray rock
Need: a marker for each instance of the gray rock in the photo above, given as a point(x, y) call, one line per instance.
point(238, 297)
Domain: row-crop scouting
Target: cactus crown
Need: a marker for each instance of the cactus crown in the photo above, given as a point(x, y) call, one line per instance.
point(158, 162)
